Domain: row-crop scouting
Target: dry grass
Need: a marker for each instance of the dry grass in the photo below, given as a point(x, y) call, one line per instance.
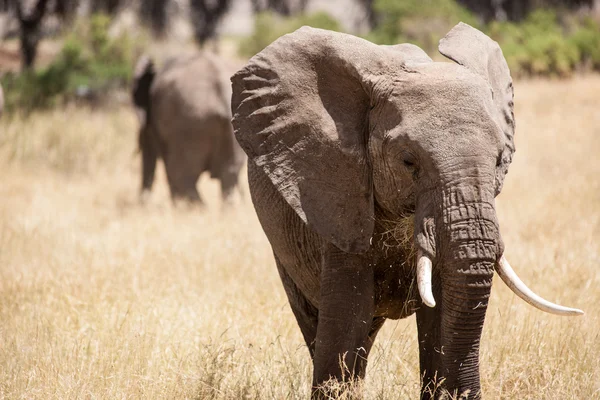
point(101, 298)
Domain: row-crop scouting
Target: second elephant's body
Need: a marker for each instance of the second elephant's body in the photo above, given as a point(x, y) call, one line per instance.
point(185, 120)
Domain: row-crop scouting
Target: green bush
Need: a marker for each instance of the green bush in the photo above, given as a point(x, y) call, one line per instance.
point(421, 22)
point(544, 45)
point(43, 88)
point(268, 27)
point(89, 59)
point(586, 38)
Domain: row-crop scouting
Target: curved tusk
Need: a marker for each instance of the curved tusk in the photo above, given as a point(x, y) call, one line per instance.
point(424, 279)
point(515, 284)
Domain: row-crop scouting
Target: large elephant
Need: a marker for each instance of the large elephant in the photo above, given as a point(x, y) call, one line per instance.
point(373, 171)
point(185, 119)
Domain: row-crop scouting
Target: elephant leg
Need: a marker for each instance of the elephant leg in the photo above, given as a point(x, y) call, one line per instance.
point(184, 187)
point(345, 321)
point(376, 325)
point(428, 320)
point(182, 177)
point(229, 181)
point(149, 156)
point(305, 313)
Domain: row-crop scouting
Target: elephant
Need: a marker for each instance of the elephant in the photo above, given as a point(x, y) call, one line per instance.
point(185, 119)
point(373, 172)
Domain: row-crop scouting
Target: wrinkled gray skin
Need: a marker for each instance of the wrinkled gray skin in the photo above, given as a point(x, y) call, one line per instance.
point(185, 119)
point(344, 136)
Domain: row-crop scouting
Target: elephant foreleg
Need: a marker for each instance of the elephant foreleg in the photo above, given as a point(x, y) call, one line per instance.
point(305, 313)
point(149, 156)
point(429, 350)
point(182, 179)
point(345, 319)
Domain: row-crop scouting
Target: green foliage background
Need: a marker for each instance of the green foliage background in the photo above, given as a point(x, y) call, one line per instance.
point(269, 26)
point(546, 43)
point(90, 60)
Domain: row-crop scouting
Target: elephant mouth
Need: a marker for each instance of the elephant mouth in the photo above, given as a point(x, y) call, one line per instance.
point(397, 233)
point(508, 276)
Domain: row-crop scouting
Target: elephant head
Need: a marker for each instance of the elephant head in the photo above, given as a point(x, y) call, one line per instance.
point(347, 130)
point(143, 77)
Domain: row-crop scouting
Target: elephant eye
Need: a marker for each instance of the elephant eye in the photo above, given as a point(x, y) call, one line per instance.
point(410, 164)
point(409, 160)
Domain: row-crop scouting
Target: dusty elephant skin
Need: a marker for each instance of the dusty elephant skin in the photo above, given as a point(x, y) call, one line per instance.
point(350, 143)
point(185, 119)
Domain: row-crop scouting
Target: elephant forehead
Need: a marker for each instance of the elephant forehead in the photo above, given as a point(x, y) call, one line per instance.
point(445, 84)
point(442, 102)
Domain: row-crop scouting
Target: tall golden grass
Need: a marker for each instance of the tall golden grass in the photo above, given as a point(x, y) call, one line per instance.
point(101, 298)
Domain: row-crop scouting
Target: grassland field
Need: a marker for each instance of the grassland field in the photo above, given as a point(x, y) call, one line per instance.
point(103, 298)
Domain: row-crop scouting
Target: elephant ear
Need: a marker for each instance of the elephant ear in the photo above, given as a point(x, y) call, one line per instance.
point(143, 76)
point(474, 50)
point(300, 112)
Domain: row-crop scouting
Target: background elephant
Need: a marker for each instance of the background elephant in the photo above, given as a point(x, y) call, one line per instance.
point(185, 119)
point(373, 171)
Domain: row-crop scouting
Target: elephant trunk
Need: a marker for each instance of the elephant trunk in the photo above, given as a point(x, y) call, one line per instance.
point(469, 248)
point(466, 282)
point(460, 247)
point(465, 244)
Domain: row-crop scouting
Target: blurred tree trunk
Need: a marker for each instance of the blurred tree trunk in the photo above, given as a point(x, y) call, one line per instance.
point(499, 10)
point(205, 16)
point(154, 14)
point(370, 13)
point(30, 21)
point(6, 6)
point(66, 9)
point(109, 7)
point(282, 7)
point(517, 10)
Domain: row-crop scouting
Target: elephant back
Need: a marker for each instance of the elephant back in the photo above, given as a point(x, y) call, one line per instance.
point(193, 87)
point(191, 104)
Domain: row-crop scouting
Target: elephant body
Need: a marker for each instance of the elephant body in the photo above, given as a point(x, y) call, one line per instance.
point(186, 120)
point(373, 171)
point(299, 252)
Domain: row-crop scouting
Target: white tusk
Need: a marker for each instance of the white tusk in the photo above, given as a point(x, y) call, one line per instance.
point(424, 279)
point(515, 284)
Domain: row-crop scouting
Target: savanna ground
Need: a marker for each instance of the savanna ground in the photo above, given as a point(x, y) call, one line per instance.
point(101, 298)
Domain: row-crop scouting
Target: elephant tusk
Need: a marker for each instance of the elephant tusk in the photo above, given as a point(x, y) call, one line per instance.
point(515, 284)
point(424, 279)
